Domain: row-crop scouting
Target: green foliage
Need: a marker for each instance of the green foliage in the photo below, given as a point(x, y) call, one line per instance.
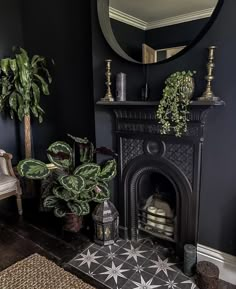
point(60, 154)
point(109, 171)
point(173, 109)
point(33, 169)
point(22, 81)
point(71, 188)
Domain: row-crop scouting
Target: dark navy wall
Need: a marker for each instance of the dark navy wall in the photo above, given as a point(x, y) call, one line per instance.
point(218, 194)
point(62, 30)
point(175, 35)
point(10, 35)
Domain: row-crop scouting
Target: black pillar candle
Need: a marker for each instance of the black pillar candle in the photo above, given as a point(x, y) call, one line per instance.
point(190, 259)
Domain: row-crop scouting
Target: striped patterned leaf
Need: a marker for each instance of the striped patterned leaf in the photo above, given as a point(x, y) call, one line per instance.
point(80, 209)
point(88, 171)
point(63, 194)
point(51, 202)
point(85, 196)
point(102, 193)
point(60, 154)
point(72, 183)
point(60, 212)
point(90, 184)
point(109, 171)
point(33, 169)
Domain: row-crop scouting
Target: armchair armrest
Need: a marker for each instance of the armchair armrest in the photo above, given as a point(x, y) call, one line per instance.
point(8, 165)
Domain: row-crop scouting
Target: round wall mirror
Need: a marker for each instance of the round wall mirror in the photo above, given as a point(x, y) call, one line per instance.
point(149, 31)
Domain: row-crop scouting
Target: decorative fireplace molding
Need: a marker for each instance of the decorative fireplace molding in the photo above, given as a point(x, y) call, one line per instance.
point(142, 148)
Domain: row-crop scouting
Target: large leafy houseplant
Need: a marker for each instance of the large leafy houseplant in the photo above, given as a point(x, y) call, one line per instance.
point(22, 81)
point(173, 110)
point(72, 187)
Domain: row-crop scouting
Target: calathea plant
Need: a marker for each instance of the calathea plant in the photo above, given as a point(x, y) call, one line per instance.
point(173, 109)
point(22, 81)
point(72, 187)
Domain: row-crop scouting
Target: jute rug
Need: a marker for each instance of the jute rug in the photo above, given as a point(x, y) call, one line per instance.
point(36, 272)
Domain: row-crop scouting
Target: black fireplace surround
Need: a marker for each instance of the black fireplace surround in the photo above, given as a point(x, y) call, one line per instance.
point(143, 150)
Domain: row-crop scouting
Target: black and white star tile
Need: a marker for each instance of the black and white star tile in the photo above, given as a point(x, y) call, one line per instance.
point(89, 260)
point(114, 273)
point(160, 267)
point(129, 265)
point(133, 253)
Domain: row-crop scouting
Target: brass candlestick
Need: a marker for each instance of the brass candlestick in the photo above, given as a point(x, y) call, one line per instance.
point(108, 96)
point(208, 94)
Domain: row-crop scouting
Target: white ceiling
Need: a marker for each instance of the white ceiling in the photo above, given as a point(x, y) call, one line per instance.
point(155, 10)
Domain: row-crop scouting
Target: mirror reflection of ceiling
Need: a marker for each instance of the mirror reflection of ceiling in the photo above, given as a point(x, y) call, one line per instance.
point(150, 13)
point(149, 31)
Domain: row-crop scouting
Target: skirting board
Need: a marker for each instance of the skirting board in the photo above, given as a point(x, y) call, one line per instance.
point(225, 262)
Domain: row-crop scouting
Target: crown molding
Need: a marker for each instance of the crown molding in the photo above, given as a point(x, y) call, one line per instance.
point(127, 19)
point(138, 23)
point(180, 19)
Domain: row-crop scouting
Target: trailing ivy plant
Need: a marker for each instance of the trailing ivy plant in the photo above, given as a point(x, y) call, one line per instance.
point(173, 110)
point(71, 187)
point(22, 81)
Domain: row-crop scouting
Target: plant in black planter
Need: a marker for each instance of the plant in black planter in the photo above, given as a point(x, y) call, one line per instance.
point(173, 109)
point(72, 187)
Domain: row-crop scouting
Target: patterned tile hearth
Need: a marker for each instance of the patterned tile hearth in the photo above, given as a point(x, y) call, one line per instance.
point(129, 265)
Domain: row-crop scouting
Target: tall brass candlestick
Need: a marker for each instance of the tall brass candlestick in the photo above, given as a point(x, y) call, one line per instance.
point(108, 96)
point(208, 94)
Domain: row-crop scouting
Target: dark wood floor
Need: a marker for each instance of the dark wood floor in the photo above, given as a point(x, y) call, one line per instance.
point(41, 233)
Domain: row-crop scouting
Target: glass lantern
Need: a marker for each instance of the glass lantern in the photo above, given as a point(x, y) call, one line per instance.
point(106, 223)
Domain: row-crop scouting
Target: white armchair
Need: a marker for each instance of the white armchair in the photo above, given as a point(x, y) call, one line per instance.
point(9, 184)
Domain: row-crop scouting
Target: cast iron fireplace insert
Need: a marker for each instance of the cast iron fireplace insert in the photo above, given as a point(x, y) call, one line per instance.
point(176, 161)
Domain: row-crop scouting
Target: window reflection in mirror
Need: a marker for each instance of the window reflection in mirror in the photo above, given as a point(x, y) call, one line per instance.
point(153, 30)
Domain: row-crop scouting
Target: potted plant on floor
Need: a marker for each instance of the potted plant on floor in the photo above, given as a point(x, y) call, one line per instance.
point(22, 81)
point(173, 110)
point(72, 187)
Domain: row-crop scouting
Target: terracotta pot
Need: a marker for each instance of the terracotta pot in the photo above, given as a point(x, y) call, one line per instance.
point(72, 223)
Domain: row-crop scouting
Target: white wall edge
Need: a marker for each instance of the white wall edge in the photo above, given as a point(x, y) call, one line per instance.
point(225, 262)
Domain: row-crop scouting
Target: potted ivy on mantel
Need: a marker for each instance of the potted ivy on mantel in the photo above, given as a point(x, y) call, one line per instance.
point(173, 109)
point(71, 188)
point(22, 81)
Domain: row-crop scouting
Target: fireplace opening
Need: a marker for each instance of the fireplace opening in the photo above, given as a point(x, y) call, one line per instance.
point(157, 206)
point(157, 202)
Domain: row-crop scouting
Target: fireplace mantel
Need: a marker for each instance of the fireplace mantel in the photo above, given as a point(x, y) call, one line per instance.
point(194, 103)
point(140, 116)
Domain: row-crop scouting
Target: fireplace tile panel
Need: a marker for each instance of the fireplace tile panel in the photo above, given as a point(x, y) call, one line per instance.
point(182, 156)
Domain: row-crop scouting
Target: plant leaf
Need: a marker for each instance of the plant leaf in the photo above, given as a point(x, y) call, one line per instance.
point(13, 101)
point(61, 193)
point(33, 169)
point(60, 154)
point(109, 171)
point(88, 171)
point(51, 202)
point(85, 196)
point(60, 212)
point(5, 65)
point(102, 193)
point(44, 85)
point(79, 209)
point(72, 183)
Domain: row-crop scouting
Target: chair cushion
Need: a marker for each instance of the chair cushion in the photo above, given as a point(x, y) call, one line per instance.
point(7, 184)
